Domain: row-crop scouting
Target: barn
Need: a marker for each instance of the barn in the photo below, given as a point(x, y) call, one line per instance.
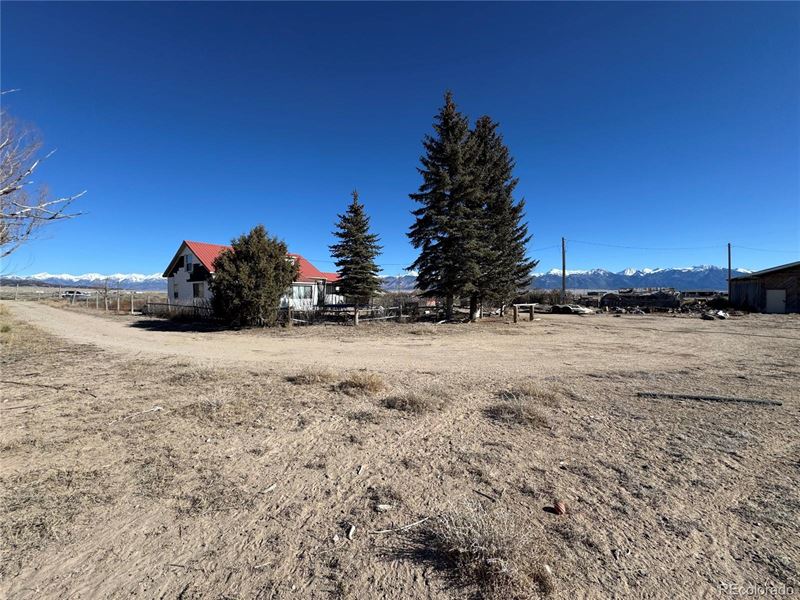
point(775, 290)
point(192, 268)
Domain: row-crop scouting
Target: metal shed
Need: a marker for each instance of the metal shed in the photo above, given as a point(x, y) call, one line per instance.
point(775, 290)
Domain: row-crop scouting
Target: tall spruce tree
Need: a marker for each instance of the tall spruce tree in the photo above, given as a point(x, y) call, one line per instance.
point(448, 224)
point(355, 254)
point(250, 279)
point(506, 269)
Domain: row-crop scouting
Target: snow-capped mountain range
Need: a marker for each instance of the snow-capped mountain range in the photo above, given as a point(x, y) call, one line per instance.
point(704, 277)
point(128, 281)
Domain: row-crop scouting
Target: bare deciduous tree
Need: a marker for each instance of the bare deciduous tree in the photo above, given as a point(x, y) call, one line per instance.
point(24, 207)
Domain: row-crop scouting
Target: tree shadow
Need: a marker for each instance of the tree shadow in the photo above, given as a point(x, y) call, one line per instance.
point(180, 325)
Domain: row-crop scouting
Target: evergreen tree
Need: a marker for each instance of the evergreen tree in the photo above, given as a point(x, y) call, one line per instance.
point(250, 279)
point(355, 254)
point(448, 224)
point(505, 269)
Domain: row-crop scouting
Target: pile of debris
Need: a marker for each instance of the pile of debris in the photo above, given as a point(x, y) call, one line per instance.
point(711, 315)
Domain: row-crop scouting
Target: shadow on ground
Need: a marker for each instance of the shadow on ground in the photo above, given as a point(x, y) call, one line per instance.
point(153, 324)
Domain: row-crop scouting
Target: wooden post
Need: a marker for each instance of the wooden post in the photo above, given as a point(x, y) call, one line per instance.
point(516, 313)
point(289, 316)
point(131, 302)
point(531, 312)
point(16, 293)
point(97, 300)
point(72, 300)
point(355, 316)
point(118, 295)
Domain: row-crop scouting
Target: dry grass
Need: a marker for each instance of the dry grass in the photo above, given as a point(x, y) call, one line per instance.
point(220, 402)
point(531, 392)
point(516, 412)
point(420, 401)
point(490, 553)
point(364, 416)
point(40, 506)
point(313, 376)
point(215, 492)
point(362, 383)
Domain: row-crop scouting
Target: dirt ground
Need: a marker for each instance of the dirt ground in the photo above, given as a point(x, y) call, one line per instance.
point(147, 459)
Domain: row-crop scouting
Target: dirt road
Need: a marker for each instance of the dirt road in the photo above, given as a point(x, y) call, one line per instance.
point(545, 347)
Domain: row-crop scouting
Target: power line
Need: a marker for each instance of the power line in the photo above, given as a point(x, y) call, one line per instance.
point(645, 247)
point(768, 250)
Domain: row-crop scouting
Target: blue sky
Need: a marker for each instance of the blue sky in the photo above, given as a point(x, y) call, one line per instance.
point(642, 125)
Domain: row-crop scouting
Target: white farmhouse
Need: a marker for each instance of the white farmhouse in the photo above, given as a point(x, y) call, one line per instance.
point(192, 268)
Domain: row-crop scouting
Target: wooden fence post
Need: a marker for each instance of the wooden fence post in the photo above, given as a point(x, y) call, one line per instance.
point(531, 312)
point(131, 302)
point(516, 313)
point(97, 300)
point(16, 293)
point(289, 316)
point(118, 295)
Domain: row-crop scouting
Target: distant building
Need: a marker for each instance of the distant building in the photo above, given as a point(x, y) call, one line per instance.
point(192, 268)
point(775, 290)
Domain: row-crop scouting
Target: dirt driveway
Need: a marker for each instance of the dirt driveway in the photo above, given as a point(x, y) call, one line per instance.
point(547, 347)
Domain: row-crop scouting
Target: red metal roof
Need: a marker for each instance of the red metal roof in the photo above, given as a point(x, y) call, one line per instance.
point(207, 254)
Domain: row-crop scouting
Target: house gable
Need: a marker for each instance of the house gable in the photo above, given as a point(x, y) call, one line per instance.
point(206, 254)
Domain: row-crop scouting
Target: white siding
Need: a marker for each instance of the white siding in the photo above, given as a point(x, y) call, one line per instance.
point(180, 282)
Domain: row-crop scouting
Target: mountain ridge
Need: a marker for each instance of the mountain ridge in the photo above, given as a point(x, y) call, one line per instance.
point(701, 277)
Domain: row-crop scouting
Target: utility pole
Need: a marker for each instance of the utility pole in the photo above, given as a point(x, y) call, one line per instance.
point(729, 271)
point(563, 270)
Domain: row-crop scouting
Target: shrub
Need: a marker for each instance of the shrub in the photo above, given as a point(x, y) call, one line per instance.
point(489, 552)
point(363, 383)
point(427, 400)
point(312, 376)
point(516, 412)
point(530, 392)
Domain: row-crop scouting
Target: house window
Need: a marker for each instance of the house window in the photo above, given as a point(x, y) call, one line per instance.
point(174, 291)
point(197, 290)
point(189, 263)
point(302, 292)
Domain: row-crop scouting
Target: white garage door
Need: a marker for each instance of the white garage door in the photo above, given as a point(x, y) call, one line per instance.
point(776, 301)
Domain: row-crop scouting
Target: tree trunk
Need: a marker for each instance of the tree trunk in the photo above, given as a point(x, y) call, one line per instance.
point(473, 307)
point(448, 307)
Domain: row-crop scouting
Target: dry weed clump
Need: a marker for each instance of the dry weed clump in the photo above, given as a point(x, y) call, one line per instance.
point(312, 376)
point(531, 392)
point(38, 507)
point(220, 403)
point(419, 401)
point(516, 412)
point(364, 416)
point(215, 493)
point(489, 552)
point(362, 383)
point(156, 473)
